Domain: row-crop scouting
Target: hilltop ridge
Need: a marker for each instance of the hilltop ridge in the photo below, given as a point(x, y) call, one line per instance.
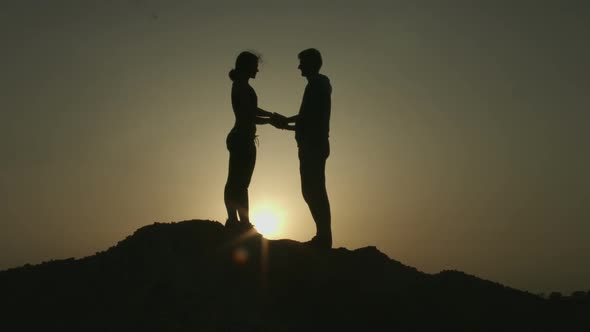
point(196, 275)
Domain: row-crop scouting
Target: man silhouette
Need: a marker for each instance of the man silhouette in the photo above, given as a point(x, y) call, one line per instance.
point(312, 126)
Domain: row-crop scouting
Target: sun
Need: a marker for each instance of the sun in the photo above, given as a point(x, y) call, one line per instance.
point(268, 219)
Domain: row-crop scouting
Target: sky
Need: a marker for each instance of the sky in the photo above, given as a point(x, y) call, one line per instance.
point(459, 129)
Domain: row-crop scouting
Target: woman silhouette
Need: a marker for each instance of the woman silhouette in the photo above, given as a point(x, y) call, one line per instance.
point(240, 140)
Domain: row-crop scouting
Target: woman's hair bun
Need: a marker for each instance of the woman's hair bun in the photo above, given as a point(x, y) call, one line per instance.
point(232, 74)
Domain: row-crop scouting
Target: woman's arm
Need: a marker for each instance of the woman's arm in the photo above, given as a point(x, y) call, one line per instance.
point(262, 116)
point(262, 113)
point(261, 120)
point(291, 119)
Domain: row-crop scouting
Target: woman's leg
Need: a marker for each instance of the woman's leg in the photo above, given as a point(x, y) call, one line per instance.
point(230, 191)
point(241, 166)
point(245, 176)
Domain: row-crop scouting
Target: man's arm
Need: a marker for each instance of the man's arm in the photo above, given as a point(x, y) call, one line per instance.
point(282, 122)
point(292, 119)
point(288, 120)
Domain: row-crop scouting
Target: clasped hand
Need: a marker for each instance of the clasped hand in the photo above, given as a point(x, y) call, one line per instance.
point(279, 121)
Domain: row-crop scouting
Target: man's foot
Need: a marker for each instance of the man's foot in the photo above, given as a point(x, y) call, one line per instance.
point(320, 242)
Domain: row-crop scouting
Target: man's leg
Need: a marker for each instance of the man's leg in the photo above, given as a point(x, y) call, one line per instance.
point(313, 186)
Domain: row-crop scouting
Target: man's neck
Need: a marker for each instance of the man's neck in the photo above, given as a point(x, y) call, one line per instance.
point(312, 76)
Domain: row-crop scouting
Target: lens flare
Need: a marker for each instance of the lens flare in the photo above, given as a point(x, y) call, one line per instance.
point(267, 219)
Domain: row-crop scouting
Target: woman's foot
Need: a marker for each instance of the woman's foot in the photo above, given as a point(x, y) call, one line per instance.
point(245, 226)
point(238, 226)
point(232, 224)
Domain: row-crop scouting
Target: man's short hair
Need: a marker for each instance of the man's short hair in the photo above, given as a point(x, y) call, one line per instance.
point(312, 57)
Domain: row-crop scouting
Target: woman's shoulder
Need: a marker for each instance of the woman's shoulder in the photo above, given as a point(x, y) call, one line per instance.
point(242, 88)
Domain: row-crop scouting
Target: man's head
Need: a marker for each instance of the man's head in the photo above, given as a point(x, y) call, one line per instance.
point(310, 62)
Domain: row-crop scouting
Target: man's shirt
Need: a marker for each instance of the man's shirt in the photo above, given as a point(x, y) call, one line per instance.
point(313, 122)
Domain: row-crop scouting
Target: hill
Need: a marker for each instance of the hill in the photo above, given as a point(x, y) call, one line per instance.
point(196, 276)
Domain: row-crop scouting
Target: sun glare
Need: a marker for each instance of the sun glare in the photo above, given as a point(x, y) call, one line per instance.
point(267, 219)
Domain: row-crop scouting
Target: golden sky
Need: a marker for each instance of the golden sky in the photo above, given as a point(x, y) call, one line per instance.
point(458, 132)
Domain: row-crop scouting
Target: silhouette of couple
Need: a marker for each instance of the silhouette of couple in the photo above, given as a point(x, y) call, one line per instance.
point(311, 126)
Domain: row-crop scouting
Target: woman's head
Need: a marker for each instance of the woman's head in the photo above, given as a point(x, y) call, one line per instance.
point(246, 66)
